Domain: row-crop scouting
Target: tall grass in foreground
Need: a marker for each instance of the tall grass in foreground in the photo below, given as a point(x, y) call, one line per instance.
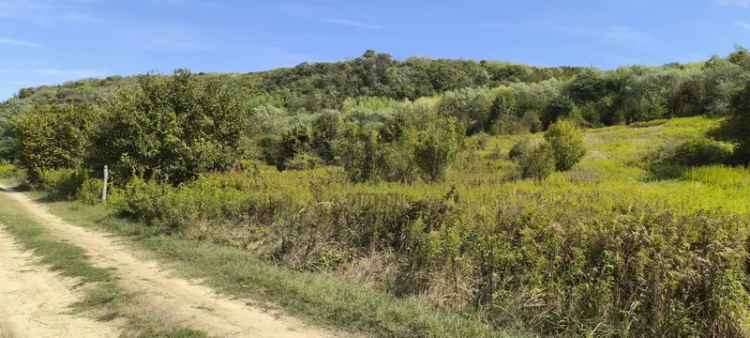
point(322, 298)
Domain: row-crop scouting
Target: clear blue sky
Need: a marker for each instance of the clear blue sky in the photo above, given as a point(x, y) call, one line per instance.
point(51, 41)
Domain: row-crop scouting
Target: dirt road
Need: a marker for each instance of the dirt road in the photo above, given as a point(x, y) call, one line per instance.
point(35, 302)
point(174, 299)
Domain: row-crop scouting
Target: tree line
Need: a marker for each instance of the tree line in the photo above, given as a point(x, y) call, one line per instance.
point(386, 120)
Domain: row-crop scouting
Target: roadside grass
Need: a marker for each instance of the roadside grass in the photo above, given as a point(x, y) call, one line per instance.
point(320, 298)
point(102, 297)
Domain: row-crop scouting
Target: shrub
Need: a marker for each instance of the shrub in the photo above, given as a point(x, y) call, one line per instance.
point(358, 153)
point(398, 163)
point(469, 106)
point(567, 144)
point(302, 161)
point(295, 141)
point(172, 128)
point(520, 149)
point(539, 163)
point(325, 129)
point(639, 273)
point(143, 200)
point(8, 170)
point(736, 128)
point(369, 155)
point(436, 148)
point(270, 148)
point(90, 191)
point(672, 161)
point(560, 108)
point(62, 183)
point(54, 137)
point(701, 152)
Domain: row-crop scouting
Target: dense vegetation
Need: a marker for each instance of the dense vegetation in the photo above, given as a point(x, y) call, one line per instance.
point(482, 188)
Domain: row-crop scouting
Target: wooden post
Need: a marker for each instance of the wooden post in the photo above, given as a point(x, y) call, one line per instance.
point(106, 180)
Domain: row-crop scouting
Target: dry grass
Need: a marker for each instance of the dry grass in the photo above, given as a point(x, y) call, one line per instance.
point(375, 270)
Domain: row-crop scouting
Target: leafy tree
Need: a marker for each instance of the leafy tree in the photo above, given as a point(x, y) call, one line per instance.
point(438, 141)
point(470, 106)
point(504, 115)
point(566, 141)
point(736, 129)
point(173, 128)
point(687, 97)
point(324, 132)
point(561, 107)
point(588, 86)
point(297, 140)
point(358, 152)
point(722, 80)
point(54, 137)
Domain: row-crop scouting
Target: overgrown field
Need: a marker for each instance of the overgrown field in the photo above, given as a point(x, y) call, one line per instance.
point(630, 242)
point(483, 189)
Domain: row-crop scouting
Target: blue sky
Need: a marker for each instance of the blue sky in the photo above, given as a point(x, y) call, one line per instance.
point(52, 41)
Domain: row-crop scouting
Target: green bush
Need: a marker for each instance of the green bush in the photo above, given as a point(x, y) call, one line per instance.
point(470, 106)
point(539, 163)
point(172, 128)
point(90, 191)
point(398, 163)
point(672, 161)
point(8, 170)
point(61, 183)
point(560, 108)
point(736, 129)
point(520, 149)
point(437, 144)
point(358, 152)
point(302, 161)
point(297, 140)
point(54, 137)
point(701, 152)
point(325, 130)
point(143, 200)
point(567, 143)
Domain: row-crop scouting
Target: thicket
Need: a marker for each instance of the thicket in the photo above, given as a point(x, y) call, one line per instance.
point(562, 148)
point(618, 267)
point(736, 129)
point(172, 129)
point(54, 137)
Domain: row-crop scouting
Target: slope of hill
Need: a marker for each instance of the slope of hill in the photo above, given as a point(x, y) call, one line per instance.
point(499, 198)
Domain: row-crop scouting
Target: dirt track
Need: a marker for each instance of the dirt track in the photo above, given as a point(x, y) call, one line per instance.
point(35, 302)
point(175, 300)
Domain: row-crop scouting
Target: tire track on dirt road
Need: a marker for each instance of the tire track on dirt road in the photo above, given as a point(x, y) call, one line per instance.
point(177, 300)
point(35, 302)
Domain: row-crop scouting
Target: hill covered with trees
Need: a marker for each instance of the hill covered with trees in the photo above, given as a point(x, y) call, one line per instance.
point(556, 201)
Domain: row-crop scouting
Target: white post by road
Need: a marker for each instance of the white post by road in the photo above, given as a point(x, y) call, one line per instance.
point(104, 188)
